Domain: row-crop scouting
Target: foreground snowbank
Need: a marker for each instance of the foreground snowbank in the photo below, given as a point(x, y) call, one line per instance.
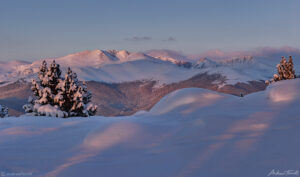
point(191, 132)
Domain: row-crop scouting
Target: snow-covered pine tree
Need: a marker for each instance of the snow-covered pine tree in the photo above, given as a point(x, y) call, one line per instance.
point(3, 111)
point(55, 96)
point(82, 102)
point(285, 71)
point(44, 90)
point(73, 97)
point(37, 87)
point(65, 91)
point(291, 69)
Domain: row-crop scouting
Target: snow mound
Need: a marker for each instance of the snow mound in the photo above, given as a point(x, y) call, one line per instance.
point(51, 111)
point(284, 91)
point(185, 98)
point(182, 136)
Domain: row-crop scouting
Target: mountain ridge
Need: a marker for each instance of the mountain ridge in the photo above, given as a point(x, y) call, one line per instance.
point(165, 66)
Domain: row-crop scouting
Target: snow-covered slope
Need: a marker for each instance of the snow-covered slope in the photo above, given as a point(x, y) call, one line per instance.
point(168, 55)
point(7, 68)
point(189, 133)
point(206, 63)
point(144, 69)
point(243, 69)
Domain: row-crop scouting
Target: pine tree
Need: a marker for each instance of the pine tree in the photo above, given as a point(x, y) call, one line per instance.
point(82, 102)
point(43, 71)
point(73, 97)
point(3, 111)
point(44, 90)
point(40, 82)
point(292, 72)
point(55, 96)
point(285, 70)
point(54, 75)
point(66, 89)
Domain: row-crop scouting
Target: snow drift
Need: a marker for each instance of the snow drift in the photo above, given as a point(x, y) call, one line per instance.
point(190, 132)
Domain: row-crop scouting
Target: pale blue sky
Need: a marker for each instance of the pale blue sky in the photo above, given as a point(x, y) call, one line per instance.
point(33, 29)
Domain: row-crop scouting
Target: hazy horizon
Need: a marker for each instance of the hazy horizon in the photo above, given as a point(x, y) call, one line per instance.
point(32, 29)
point(214, 54)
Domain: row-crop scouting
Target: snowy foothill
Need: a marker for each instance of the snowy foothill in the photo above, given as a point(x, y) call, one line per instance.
point(190, 133)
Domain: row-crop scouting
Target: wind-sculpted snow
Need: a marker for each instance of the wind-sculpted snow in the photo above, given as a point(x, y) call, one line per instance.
point(282, 93)
point(190, 132)
point(187, 97)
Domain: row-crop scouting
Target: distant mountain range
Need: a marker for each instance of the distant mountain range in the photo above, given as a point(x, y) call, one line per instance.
point(125, 82)
point(164, 66)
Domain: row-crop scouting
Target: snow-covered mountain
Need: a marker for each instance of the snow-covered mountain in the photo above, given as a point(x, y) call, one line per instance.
point(234, 61)
point(7, 69)
point(168, 55)
point(164, 66)
point(109, 66)
point(206, 63)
